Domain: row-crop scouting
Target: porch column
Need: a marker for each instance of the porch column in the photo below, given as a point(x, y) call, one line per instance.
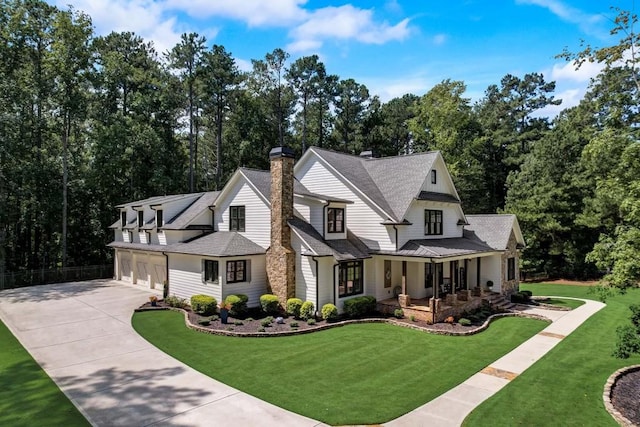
point(404, 277)
point(466, 273)
point(436, 281)
point(478, 272)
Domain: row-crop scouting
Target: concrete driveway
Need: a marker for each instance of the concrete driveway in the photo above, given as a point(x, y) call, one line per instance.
point(81, 335)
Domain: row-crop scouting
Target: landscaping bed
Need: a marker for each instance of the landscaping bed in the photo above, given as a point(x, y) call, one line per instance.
point(625, 395)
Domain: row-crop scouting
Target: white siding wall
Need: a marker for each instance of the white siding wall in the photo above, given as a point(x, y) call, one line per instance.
point(443, 183)
point(204, 218)
point(257, 213)
point(415, 215)
point(491, 269)
point(325, 281)
point(305, 273)
point(185, 277)
point(361, 218)
point(253, 289)
point(302, 208)
point(335, 236)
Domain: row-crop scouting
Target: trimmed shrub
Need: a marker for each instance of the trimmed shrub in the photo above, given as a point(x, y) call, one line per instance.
point(270, 304)
point(204, 305)
point(464, 322)
point(628, 342)
point(398, 313)
point(294, 324)
point(329, 312)
point(174, 301)
point(529, 294)
point(238, 304)
point(311, 322)
point(307, 310)
point(267, 321)
point(521, 297)
point(293, 307)
point(360, 306)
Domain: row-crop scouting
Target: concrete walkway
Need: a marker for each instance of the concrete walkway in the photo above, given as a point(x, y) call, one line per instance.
point(452, 407)
point(81, 335)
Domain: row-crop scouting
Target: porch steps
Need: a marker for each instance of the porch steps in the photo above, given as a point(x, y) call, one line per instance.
point(500, 302)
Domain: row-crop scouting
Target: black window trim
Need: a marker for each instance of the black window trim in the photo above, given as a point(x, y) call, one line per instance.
point(343, 272)
point(331, 225)
point(511, 268)
point(235, 270)
point(434, 176)
point(159, 218)
point(234, 214)
point(433, 228)
point(140, 219)
point(215, 271)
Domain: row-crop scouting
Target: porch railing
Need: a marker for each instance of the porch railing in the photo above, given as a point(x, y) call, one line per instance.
point(20, 279)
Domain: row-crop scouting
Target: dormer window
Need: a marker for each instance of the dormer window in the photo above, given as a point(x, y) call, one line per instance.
point(432, 222)
point(159, 219)
point(434, 176)
point(140, 219)
point(335, 220)
point(123, 219)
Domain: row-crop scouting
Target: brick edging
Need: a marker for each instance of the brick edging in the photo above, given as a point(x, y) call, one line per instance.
point(606, 395)
point(221, 332)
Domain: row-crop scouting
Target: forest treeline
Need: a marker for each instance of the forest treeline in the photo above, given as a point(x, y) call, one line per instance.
point(88, 122)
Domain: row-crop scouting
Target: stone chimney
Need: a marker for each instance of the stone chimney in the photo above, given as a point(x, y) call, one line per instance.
point(280, 255)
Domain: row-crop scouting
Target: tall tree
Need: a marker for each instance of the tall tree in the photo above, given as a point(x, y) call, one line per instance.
point(351, 103)
point(220, 76)
point(186, 57)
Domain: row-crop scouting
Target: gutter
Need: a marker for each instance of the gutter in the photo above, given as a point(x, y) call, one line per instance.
point(334, 283)
point(324, 219)
point(166, 268)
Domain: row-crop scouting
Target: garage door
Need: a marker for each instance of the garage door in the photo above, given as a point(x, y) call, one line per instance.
point(158, 272)
point(142, 273)
point(125, 268)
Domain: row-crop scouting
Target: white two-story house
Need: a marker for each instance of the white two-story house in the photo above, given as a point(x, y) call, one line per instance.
point(326, 228)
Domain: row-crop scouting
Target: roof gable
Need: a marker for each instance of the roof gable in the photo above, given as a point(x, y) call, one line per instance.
point(495, 230)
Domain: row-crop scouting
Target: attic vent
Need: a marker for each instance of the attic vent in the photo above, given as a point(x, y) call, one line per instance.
point(367, 154)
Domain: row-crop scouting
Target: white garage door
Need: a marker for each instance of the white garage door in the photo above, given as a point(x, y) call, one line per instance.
point(158, 272)
point(142, 273)
point(125, 268)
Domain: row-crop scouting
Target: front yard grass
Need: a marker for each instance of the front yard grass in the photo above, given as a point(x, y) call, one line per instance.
point(565, 387)
point(28, 397)
point(356, 374)
point(563, 302)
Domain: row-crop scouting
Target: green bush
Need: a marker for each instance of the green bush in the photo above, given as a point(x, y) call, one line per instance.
point(293, 307)
point(270, 304)
point(294, 324)
point(413, 318)
point(329, 312)
point(238, 304)
point(635, 316)
point(464, 322)
point(204, 305)
point(528, 293)
point(628, 342)
point(398, 313)
point(174, 301)
point(307, 310)
point(521, 297)
point(360, 306)
point(311, 322)
point(267, 321)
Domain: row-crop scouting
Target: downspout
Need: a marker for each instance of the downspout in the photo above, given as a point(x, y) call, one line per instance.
point(165, 284)
point(396, 230)
point(334, 283)
point(324, 219)
point(315, 260)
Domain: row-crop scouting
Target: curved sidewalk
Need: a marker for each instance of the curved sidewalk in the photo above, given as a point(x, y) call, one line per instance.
point(451, 408)
point(81, 334)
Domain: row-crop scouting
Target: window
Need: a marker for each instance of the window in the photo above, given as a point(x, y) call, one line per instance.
point(159, 219)
point(335, 220)
point(236, 271)
point(140, 219)
point(236, 218)
point(210, 271)
point(432, 222)
point(123, 219)
point(350, 278)
point(511, 268)
point(434, 176)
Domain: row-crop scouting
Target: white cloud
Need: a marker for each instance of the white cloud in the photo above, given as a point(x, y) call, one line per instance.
point(301, 45)
point(439, 39)
point(568, 71)
point(586, 22)
point(387, 89)
point(254, 12)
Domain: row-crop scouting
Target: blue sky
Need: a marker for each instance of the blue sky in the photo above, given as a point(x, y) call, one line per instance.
point(392, 46)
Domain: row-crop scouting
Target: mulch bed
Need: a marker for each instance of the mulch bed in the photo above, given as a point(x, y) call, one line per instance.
point(625, 396)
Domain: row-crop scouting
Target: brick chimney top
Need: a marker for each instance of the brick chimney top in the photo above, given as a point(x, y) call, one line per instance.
point(281, 152)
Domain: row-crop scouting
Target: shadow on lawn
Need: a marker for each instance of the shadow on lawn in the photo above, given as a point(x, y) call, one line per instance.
point(115, 396)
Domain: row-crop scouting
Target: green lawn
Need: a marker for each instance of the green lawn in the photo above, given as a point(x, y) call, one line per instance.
point(357, 374)
point(564, 387)
point(28, 397)
point(563, 302)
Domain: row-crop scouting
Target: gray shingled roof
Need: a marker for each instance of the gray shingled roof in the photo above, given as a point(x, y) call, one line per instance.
point(262, 181)
point(437, 197)
point(155, 200)
point(341, 249)
point(494, 230)
point(138, 246)
point(392, 183)
point(218, 244)
point(182, 219)
point(440, 248)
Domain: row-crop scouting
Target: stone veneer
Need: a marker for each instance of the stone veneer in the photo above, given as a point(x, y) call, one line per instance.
point(280, 256)
point(510, 286)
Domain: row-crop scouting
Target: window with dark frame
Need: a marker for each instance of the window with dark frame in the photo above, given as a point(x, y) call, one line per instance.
point(428, 274)
point(511, 268)
point(159, 219)
point(350, 278)
point(123, 219)
point(335, 220)
point(236, 271)
point(432, 222)
point(140, 219)
point(434, 176)
point(210, 268)
point(236, 218)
